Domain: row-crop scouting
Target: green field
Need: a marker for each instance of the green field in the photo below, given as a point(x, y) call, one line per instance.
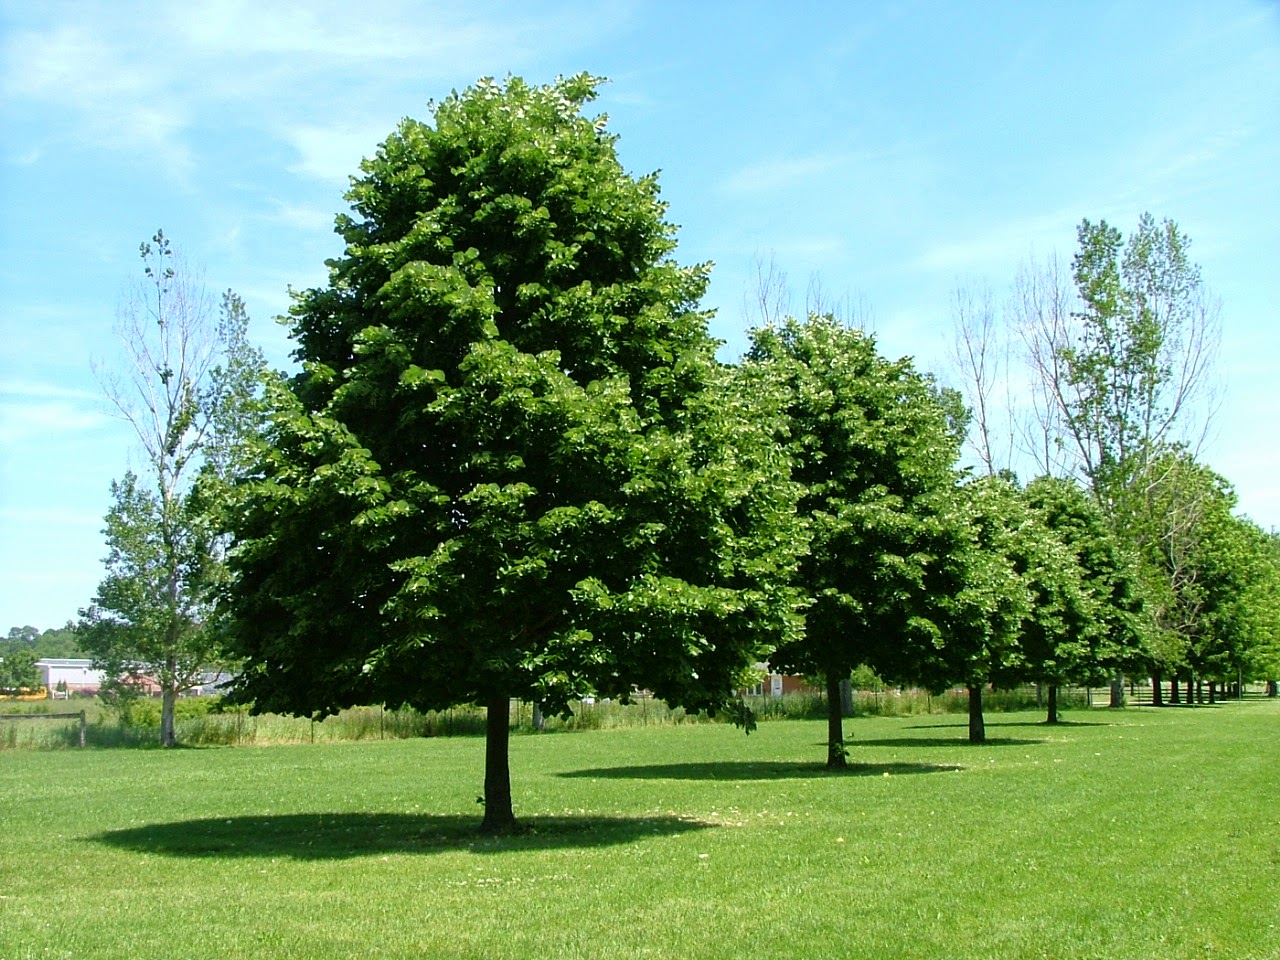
point(1133, 834)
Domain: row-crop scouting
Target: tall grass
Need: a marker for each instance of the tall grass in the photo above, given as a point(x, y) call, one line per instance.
point(205, 721)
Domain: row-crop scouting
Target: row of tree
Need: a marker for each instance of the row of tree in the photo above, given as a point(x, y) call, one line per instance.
point(1103, 375)
point(512, 467)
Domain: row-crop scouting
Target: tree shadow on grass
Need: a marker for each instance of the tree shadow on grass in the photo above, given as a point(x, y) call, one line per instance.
point(755, 770)
point(338, 836)
point(941, 742)
point(1035, 724)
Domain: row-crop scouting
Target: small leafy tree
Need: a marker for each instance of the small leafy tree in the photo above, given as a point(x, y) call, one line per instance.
point(188, 388)
point(512, 467)
point(1087, 612)
point(18, 671)
point(873, 444)
point(991, 595)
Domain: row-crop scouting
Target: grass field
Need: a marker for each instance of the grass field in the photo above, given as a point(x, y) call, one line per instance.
point(1132, 834)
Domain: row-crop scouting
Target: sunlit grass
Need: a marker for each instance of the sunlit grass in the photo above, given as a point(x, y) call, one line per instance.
point(1121, 835)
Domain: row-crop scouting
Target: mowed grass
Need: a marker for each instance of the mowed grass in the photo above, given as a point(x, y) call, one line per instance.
point(1132, 834)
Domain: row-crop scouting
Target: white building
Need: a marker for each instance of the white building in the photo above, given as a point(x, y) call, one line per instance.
point(77, 675)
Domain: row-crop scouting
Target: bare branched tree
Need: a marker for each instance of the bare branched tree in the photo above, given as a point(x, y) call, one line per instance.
point(188, 387)
point(980, 355)
point(1041, 313)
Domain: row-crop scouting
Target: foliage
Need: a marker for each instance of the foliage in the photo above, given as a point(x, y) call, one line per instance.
point(992, 596)
point(872, 444)
point(1088, 618)
point(1147, 337)
point(58, 642)
point(1217, 588)
point(18, 671)
point(189, 391)
point(512, 467)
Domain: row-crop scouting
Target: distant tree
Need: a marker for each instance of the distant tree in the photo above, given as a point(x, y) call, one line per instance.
point(1261, 598)
point(61, 641)
point(19, 636)
point(981, 357)
point(18, 671)
point(873, 445)
point(1218, 591)
point(188, 388)
point(511, 467)
point(1087, 619)
point(1129, 373)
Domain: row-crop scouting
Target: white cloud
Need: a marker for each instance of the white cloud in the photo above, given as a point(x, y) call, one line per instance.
point(305, 217)
point(114, 94)
point(35, 411)
point(1000, 247)
point(334, 153)
point(21, 422)
point(780, 173)
point(69, 64)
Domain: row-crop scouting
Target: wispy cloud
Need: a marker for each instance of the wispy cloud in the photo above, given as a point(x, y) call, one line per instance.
point(31, 410)
point(780, 173)
point(43, 518)
point(334, 153)
point(132, 76)
point(1001, 246)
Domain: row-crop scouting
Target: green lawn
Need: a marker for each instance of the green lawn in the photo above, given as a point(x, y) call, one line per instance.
point(1135, 834)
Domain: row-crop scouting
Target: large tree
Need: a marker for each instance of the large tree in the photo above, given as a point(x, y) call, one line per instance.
point(511, 467)
point(873, 444)
point(187, 386)
point(1128, 374)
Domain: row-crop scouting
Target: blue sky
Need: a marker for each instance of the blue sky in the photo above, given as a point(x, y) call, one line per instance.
point(892, 150)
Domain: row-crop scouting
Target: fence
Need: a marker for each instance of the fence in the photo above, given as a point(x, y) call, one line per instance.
point(50, 716)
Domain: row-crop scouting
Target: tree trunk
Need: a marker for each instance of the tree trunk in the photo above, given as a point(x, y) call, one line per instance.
point(835, 724)
point(1175, 692)
point(1157, 692)
point(846, 697)
point(1213, 691)
point(977, 727)
point(1199, 691)
point(539, 721)
point(1052, 691)
point(168, 702)
point(498, 815)
point(1117, 690)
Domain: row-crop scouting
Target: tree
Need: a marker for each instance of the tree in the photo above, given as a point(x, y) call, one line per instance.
point(59, 642)
point(18, 671)
point(988, 593)
point(188, 390)
point(1140, 360)
point(1129, 373)
point(1217, 584)
point(1087, 610)
point(512, 467)
point(873, 445)
point(981, 357)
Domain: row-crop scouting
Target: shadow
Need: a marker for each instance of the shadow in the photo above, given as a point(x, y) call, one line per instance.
point(338, 836)
point(941, 742)
point(1036, 724)
point(749, 770)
